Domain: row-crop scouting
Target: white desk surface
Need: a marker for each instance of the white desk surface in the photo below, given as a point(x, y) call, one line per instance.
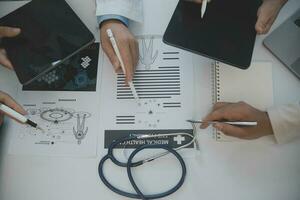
point(258, 169)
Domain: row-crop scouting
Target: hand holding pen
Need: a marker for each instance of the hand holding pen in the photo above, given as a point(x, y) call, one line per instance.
point(10, 102)
point(9, 107)
point(244, 117)
point(127, 44)
point(119, 56)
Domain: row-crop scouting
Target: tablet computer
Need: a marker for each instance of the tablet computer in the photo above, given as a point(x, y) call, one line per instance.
point(50, 33)
point(226, 32)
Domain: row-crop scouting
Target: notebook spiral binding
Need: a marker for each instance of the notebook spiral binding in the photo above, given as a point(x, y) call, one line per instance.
point(216, 90)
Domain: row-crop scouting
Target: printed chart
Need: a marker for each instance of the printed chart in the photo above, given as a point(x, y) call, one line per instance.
point(164, 83)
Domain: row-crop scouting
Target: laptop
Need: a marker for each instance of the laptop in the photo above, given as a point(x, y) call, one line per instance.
point(284, 43)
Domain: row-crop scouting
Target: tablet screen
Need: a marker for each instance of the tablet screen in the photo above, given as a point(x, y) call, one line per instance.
point(51, 32)
point(226, 33)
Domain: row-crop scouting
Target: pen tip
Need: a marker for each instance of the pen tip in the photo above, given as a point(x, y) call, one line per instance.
point(41, 129)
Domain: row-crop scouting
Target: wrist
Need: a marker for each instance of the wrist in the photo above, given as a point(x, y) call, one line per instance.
point(110, 21)
point(282, 2)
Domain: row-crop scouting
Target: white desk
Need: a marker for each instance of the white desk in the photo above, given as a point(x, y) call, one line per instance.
point(258, 169)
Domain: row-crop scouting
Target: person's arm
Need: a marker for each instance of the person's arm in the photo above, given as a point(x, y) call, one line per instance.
point(285, 122)
point(266, 15)
point(103, 18)
point(282, 122)
point(131, 9)
point(115, 15)
point(223, 111)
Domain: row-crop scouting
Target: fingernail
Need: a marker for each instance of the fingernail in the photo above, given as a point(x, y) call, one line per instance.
point(217, 126)
point(129, 78)
point(16, 30)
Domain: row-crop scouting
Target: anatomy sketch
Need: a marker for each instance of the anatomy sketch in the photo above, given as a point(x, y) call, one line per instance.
point(147, 54)
point(56, 115)
point(62, 125)
point(81, 130)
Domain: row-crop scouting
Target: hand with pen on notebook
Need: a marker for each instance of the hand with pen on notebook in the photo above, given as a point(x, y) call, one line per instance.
point(241, 111)
point(7, 32)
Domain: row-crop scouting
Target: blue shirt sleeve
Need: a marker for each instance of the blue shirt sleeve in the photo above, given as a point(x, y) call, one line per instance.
point(103, 18)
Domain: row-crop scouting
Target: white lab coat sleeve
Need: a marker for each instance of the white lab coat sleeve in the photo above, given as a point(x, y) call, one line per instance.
point(285, 122)
point(131, 9)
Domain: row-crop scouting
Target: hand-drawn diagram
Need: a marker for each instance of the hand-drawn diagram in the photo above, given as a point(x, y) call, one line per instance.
point(81, 130)
point(146, 56)
point(70, 124)
point(56, 115)
point(62, 125)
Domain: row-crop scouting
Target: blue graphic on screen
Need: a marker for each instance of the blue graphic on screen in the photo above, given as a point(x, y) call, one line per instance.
point(79, 73)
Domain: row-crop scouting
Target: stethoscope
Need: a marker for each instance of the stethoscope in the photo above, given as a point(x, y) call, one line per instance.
point(130, 163)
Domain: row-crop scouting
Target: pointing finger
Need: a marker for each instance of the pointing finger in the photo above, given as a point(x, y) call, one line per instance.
point(9, 31)
point(108, 49)
point(10, 102)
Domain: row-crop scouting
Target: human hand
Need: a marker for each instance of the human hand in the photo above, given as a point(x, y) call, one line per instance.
point(128, 46)
point(10, 102)
point(239, 112)
point(7, 32)
point(267, 14)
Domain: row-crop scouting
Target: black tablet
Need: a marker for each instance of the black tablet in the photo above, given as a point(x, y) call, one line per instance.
point(51, 33)
point(226, 32)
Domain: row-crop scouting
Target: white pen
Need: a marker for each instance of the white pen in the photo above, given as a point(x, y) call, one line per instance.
point(117, 51)
point(203, 7)
point(235, 123)
point(17, 116)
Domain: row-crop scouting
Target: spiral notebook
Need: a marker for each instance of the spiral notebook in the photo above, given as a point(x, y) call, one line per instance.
point(253, 86)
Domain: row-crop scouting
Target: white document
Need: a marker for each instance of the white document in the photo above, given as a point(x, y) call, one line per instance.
point(254, 86)
point(70, 126)
point(165, 86)
point(68, 113)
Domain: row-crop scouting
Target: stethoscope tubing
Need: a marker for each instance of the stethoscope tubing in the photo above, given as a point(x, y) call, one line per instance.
point(130, 164)
point(164, 194)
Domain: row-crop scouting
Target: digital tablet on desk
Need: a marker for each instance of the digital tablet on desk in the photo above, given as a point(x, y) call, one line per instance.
point(50, 33)
point(226, 32)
